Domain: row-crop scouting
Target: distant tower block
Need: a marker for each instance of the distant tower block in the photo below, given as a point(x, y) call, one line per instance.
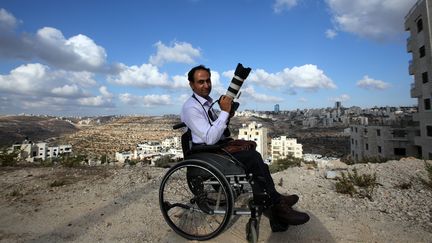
point(276, 108)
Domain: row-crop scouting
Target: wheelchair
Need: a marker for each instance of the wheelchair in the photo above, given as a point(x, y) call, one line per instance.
point(197, 195)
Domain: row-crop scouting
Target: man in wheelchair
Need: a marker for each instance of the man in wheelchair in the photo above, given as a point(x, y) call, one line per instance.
point(209, 129)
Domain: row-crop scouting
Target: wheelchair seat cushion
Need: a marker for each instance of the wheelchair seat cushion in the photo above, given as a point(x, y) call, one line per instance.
point(222, 162)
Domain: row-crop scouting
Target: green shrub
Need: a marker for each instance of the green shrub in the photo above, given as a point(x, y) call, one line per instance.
point(349, 160)
point(8, 158)
point(72, 161)
point(283, 164)
point(164, 161)
point(345, 185)
point(355, 184)
point(404, 185)
point(57, 183)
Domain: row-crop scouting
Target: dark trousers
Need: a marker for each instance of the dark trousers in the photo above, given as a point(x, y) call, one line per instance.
point(254, 164)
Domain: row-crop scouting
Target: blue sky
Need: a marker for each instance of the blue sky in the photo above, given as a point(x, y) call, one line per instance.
point(131, 57)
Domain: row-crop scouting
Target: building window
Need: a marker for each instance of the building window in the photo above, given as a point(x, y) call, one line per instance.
point(400, 151)
point(419, 25)
point(378, 132)
point(422, 51)
point(367, 146)
point(356, 129)
point(379, 149)
point(365, 131)
point(352, 129)
point(352, 140)
point(429, 131)
point(399, 133)
point(425, 78)
point(427, 104)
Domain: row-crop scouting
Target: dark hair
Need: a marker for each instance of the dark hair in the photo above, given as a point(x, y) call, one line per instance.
point(194, 69)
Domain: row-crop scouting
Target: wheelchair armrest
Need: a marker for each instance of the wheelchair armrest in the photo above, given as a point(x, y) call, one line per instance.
point(179, 125)
point(205, 148)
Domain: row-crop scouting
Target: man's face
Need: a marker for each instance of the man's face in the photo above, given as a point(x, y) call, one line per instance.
point(202, 83)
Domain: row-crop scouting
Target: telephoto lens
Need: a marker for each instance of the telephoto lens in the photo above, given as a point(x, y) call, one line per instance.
point(240, 74)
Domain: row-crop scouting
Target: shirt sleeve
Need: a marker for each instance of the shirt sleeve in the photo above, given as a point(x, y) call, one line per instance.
point(196, 119)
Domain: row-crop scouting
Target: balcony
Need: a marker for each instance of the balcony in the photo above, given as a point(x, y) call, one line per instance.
point(411, 68)
point(415, 91)
point(409, 45)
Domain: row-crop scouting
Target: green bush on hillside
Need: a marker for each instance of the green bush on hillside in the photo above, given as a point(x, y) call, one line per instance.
point(8, 158)
point(355, 184)
point(283, 164)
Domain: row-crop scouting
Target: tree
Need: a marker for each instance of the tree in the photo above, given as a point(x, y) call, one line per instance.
point(8, 158)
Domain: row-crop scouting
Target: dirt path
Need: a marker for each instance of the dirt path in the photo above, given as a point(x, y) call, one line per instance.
point(121, 205)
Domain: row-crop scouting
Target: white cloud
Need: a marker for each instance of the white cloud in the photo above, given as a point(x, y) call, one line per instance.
point(36, 86)
point(76, 53)
point(370, 83)
point(93, 101)
point(144, 76)
point(180, 81)
point(183, 97)
point(374, 19)
point(39, 80)
point(7, 20)
point(250, 92)
point(281, 5)
point(147, 100)
point(341, 98)
point(308, 77)
point(302, 100)
point(67, 90)
point(330, 33)
point(105, 93)
point(181, 52)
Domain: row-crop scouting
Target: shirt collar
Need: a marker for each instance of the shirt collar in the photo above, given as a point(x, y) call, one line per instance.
point(204, 101)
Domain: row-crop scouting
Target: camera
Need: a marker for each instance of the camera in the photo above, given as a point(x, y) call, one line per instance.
point(240, 74)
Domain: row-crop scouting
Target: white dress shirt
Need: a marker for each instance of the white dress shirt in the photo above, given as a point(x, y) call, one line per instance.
point(195, 116)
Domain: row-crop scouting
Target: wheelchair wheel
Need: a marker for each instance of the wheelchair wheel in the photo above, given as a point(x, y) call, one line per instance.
point(196, 200)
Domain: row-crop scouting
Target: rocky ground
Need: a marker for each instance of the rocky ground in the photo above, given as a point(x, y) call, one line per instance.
point(121, 205)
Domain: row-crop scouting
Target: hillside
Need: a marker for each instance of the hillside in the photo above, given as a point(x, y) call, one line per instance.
point(14, 129)
point(108, 204)
point(121, 134)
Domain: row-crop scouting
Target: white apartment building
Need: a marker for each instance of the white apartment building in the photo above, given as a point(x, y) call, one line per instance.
point(418, 22)
point(389, 142)
point(149, 148)
point(258, 133)
point(123, 156)
point(174, 142)
point(31, 151)
point(282, 146)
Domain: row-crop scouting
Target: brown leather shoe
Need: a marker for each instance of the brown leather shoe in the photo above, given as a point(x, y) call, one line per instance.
point(289, 200)
point(288, 215)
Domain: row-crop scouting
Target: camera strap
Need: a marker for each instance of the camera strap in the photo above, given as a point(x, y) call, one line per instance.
point(209, 114)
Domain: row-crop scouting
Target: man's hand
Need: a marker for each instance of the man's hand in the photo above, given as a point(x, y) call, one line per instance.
point(225, 103)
